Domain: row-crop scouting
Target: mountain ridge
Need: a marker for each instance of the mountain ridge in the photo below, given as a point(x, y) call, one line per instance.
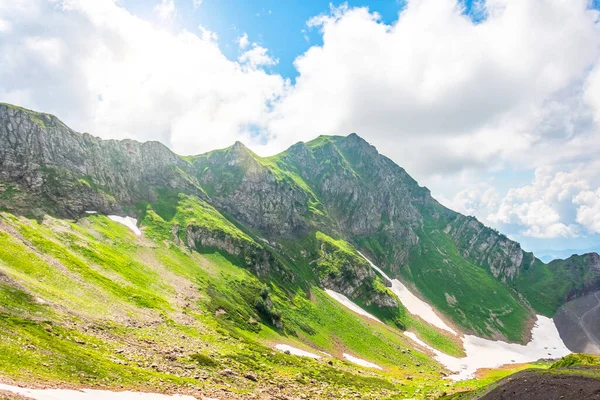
point(338, 185)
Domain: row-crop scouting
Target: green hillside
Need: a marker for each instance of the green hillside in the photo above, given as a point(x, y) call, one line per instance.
point(236, 255)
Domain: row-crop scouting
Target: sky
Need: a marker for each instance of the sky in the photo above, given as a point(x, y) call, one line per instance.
point(494, 105)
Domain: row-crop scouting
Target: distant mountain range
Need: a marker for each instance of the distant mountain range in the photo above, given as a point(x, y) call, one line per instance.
point(551, 254)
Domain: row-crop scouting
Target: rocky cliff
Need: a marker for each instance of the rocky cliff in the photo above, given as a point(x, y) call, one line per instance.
point(46, 167)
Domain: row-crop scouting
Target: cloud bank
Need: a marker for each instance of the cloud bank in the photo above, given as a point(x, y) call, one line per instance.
point(444, 96)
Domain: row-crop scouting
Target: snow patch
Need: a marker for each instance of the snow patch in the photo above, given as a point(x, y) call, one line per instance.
point(413, 304)
point(87, 394)
point(481, 353)
point(129, 222)
point(360, 361)
point(346, 302)
point(295, 351)
point(484, 353)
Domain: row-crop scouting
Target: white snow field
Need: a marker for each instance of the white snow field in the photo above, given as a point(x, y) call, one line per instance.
point(360, 361)
point(485, 353)
point(413, 304)
point(481, 353)
point(88, 394)
point(346, 302)
point(129, 222)
point(296, 352)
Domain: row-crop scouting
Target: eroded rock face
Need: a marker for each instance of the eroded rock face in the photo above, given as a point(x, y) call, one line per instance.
point(238, 183)
point(486, 247)
point(355, 280)
point(256, 258)
point(63, 172)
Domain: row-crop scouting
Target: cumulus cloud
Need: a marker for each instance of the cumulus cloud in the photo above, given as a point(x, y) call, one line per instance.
point(243, 41)
point(557, 203)
point(469, 95)
point(478, 200)
point(256, 57)
point(588, 213)
point(165, 10)
point(105, 71)
point(443, 96)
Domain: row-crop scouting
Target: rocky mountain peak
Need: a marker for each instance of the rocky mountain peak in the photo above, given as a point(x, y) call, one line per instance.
point(239, 148)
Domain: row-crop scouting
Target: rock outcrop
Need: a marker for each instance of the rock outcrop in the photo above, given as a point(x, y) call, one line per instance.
point(46, 167)
point(485, 246)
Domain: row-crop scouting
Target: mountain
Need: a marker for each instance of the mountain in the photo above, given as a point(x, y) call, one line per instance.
point(340, 187)
point(238, 251)
point(550, 255)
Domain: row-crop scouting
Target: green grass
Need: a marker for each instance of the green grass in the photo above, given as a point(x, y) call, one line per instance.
point(576, 360)
point(547, 286)
point(207, 306)
point(482, 304)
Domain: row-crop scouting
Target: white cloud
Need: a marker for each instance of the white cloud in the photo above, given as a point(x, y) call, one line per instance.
point(256, 57)
point(243, 41)
point(107, 72)
point(557, 203)
point(197, 3)
point(592, 90)
point(446, 98)
point(468, 96)
point(165, 10)
point(478, 200)
point(588, 214)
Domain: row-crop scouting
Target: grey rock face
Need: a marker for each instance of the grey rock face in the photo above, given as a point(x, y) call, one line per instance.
point(355, 281)
point(364, 192)
point(486, 247)
point(258, 259)
point(239, 184)
point(66, 173)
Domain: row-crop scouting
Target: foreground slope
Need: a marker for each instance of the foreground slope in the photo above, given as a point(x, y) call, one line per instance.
point(91, 304)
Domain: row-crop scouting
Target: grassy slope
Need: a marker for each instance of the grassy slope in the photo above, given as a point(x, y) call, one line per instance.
point(464, 291)
point(484, 305)
point(547, 286)
point(344, 254)
point(88, 304)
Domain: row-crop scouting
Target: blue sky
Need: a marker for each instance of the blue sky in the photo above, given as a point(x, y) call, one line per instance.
point(280, 26)
point(499, 114)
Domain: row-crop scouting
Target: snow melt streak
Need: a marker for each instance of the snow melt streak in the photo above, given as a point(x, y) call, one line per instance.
point(360, 361)
point(413, 304)
point(484, 353)
point(295, 351)
point(481, 353)
point(346, 302)
point(87, 394)
point(129, 222)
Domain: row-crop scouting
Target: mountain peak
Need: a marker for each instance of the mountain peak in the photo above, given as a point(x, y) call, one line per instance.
point(239, 147)
point(239, 150)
